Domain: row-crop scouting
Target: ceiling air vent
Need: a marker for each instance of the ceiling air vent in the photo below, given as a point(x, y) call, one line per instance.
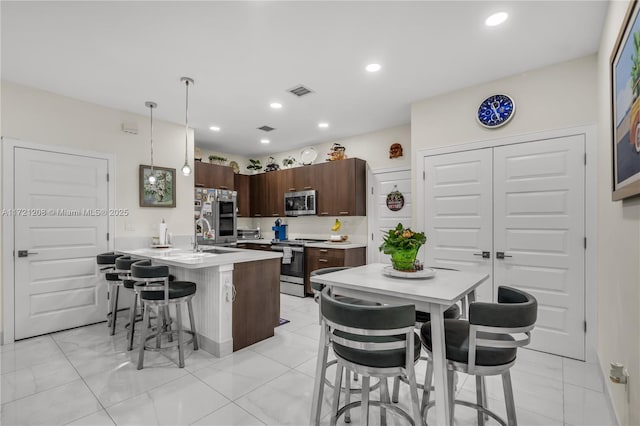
point(300, 90)
point(266, 128)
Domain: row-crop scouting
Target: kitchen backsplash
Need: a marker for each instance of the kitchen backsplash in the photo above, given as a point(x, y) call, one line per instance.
point(311, 227)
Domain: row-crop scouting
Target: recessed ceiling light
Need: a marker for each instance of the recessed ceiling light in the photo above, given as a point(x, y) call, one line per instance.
point(264, 141)
point(214, 128)
point(275, 105)
point(323, 125)
point(373, 67)
point(496, 19)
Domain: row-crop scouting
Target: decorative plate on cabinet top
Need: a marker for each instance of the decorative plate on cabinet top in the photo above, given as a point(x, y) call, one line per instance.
point(234, 166)
point(308, 155)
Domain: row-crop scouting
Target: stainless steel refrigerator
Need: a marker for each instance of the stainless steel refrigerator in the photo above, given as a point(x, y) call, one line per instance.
point(215, 216)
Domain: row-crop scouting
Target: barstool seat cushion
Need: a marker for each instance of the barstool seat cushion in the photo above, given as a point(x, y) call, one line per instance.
point(380, 359)
point(456, 334)
point(452, 313)
point(177, 289)
point(128, 283)
point(110, 276)
point(107, 258)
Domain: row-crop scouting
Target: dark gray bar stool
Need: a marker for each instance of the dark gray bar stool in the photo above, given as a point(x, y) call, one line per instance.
point(317, 289)
point(485, 345)
point(156, 291)
point(107, 265)
point(373, 341)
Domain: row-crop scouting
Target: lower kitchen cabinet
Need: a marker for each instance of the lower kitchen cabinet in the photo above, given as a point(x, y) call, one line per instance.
point(256, 306)
point(318, 258)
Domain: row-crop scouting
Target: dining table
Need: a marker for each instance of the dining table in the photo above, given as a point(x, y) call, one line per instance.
point(432, 290)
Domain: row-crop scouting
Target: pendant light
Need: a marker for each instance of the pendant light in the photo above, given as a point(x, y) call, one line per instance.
point(186, 169)
point(151, 106)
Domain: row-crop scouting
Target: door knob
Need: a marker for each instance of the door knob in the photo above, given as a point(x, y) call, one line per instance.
point(484, 254)
point(25, 253)
point(501, 255)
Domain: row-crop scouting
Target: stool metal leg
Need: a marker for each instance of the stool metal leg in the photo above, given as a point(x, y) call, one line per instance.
point(396, 389)
point(347, 395)
point(452, 395)
point(143, 338)
point(480, 399)
point(180, 340)
point(132, 321)
point(428, 378)
point(114, 308)
point(508, 398)
point(384, 397)
point(337, 384)
point(365, 400)
point(193, 325)
point(109, 303)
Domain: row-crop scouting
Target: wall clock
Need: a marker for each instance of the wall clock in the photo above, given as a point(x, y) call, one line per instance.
point(496, 111)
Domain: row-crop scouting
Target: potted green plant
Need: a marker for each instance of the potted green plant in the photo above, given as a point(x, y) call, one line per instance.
point(403, 245)
point(216, 159)
point(254, 165)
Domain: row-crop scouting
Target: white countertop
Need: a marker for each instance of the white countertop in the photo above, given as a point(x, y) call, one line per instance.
point(347, 245)
point(186, 258)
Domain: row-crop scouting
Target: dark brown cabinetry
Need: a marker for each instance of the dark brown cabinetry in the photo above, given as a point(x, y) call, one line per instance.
point(256, 307)
point(341, 187)
point(243, 202)
point(318, 258)
point(213, 176)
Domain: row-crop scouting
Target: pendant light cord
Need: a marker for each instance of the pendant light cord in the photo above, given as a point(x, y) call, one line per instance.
point(151, 108)
point(186, 124)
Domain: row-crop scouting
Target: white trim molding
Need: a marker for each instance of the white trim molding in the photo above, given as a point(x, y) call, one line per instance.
point(9, 145)
point(591, 207)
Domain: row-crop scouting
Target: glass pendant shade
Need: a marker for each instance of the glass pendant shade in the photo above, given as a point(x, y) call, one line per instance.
point(186, 169)
point(151, 106)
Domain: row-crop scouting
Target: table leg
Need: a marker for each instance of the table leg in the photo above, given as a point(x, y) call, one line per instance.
point(318, 384)
point(441, 383)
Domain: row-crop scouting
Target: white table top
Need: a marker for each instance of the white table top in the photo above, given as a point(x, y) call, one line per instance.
point(445, 288)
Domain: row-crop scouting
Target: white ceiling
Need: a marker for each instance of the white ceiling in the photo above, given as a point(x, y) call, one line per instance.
point(244, 55)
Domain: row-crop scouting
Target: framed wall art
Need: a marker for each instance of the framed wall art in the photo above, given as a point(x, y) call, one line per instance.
point(625, 107)
point(160, 194)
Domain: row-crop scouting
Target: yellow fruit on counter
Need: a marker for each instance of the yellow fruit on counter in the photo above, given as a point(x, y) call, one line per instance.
point(336, 226)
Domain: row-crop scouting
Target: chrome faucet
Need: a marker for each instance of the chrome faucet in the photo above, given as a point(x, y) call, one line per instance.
point(202, 221)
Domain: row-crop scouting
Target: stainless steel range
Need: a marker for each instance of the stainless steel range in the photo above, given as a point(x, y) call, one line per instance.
point(292, 267)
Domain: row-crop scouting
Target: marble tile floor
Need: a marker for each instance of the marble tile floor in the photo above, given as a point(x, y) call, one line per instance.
point(86, 377)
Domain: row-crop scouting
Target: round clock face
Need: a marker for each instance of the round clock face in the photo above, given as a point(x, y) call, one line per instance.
point(496, 111)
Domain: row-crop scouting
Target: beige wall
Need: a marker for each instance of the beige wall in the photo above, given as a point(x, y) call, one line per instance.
point(618, 249)
point(41, 117)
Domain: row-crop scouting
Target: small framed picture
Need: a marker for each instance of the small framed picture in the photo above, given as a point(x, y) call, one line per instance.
point(162, 193)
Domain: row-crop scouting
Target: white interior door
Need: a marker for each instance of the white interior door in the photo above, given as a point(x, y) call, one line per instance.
point(61, 222)
point(381, 217)
point(539, 220)
point(458, 213)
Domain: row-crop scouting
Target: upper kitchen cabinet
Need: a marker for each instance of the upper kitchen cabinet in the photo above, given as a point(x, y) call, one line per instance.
point(301, 178)
point(341, 187)
point(213, 176)
point(242, 186)
point(258, 194)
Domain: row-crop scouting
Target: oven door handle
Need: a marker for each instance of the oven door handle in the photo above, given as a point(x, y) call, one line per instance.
point(293, 249)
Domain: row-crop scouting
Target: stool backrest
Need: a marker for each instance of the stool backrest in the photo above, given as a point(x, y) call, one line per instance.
point(506, 324)
point(359, 320)
point(316, 286)
point(123, 263)
point(152, 277)
point(107, 260)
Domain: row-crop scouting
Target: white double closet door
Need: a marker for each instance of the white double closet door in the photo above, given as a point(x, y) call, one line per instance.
point(516, 212)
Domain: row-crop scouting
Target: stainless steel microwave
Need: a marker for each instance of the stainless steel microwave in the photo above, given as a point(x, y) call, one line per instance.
point(301, 203)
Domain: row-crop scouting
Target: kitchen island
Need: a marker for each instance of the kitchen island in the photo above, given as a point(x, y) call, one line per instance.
point(237, 302)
